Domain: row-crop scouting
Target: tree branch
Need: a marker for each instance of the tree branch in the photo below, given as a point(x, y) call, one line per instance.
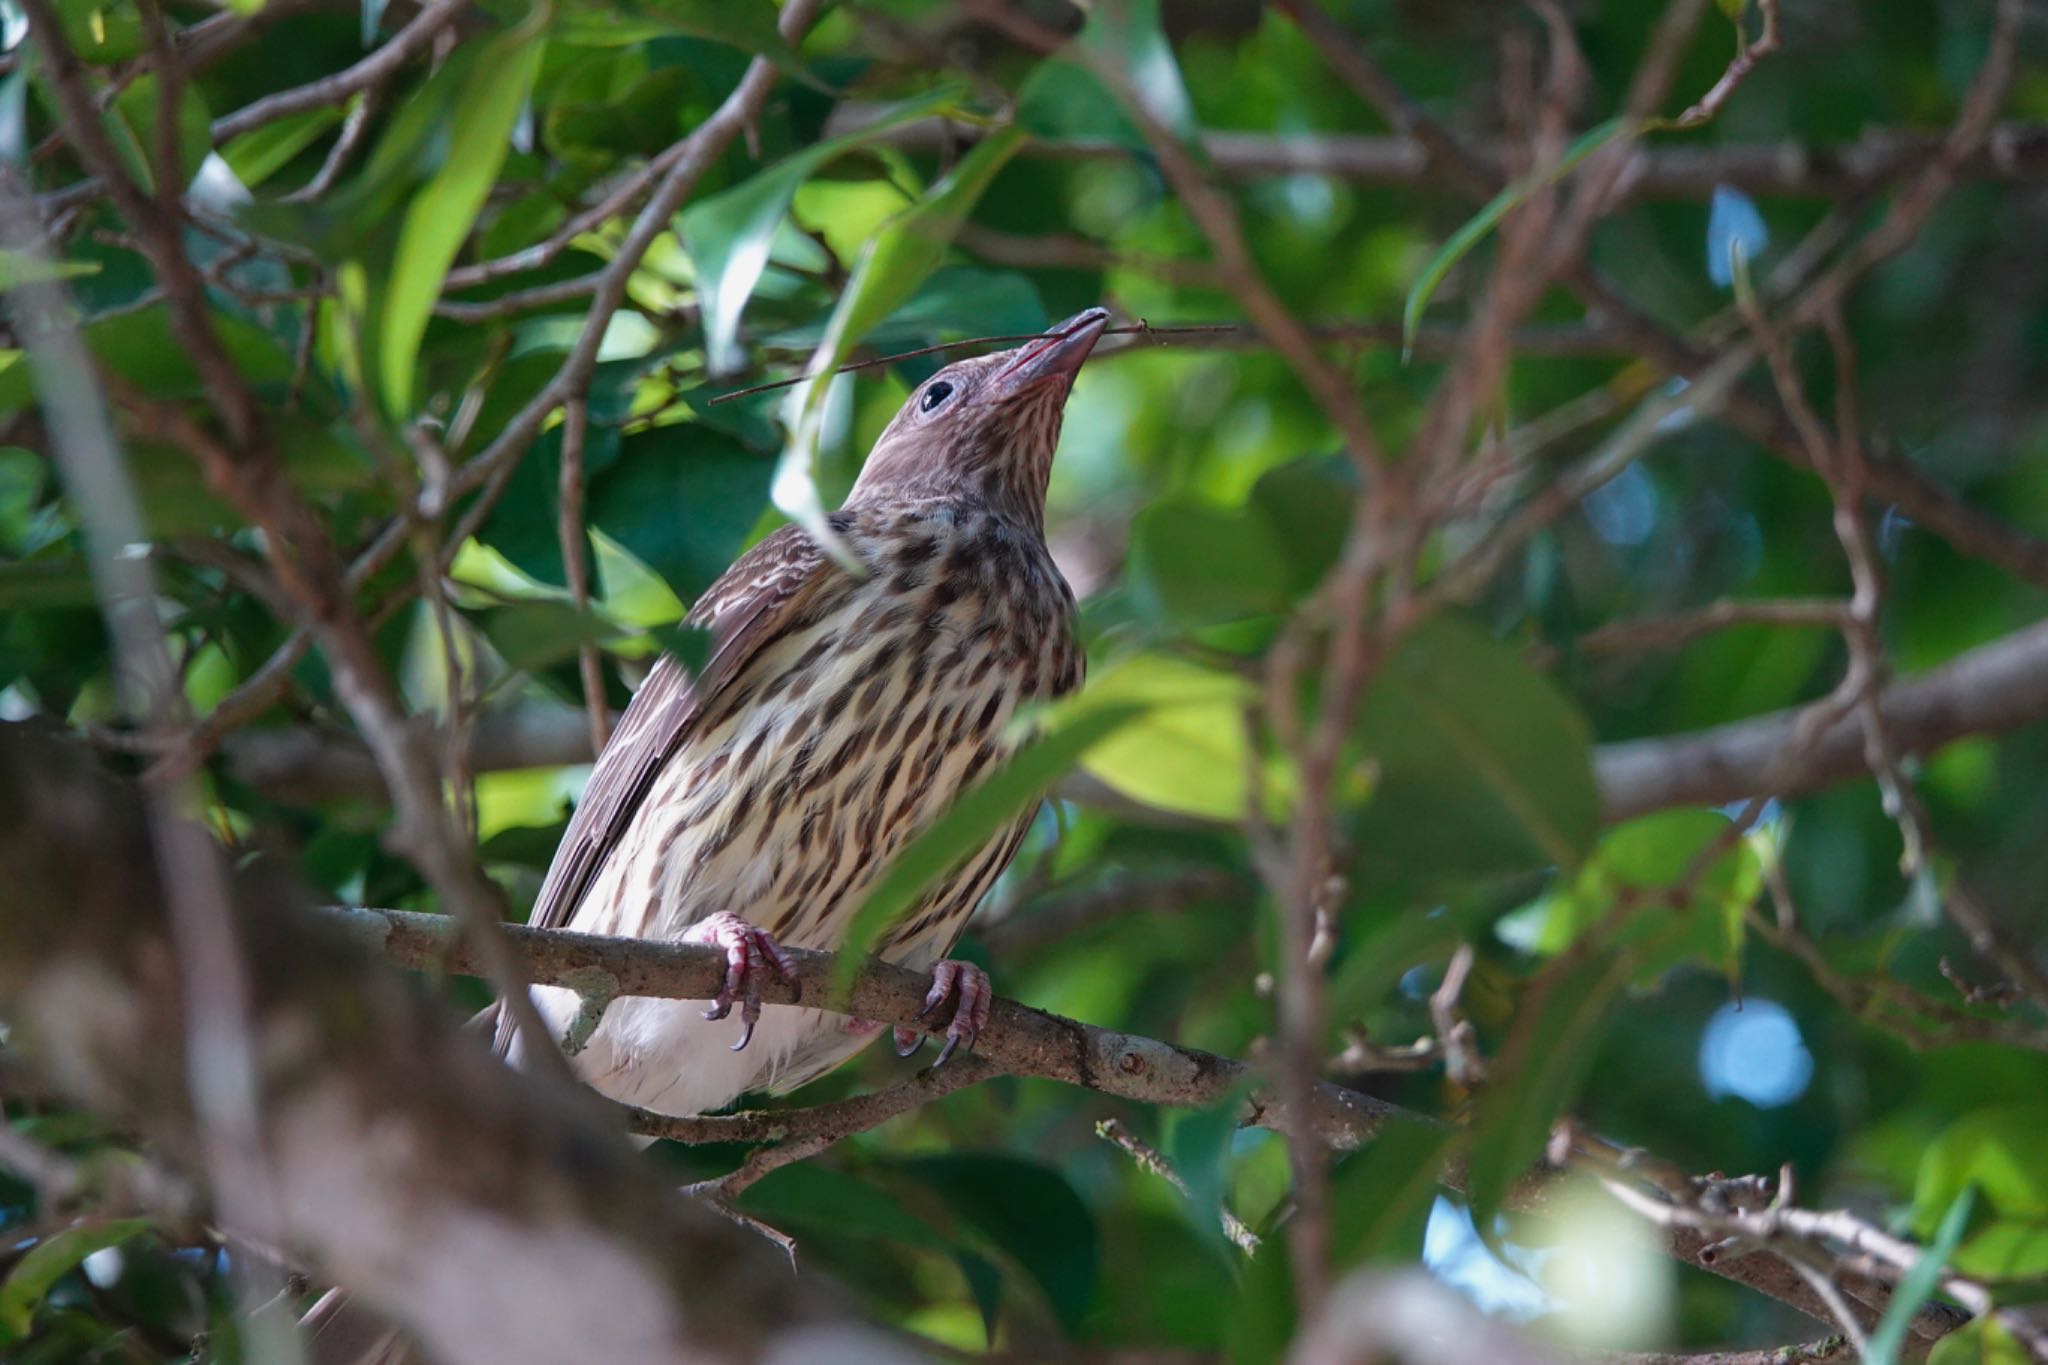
point(402, 1153)
point(1879, 157)
point(1019, 1041)
point(1995, 688)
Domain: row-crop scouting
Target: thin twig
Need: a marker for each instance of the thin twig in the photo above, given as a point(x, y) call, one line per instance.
point(1112, 1130)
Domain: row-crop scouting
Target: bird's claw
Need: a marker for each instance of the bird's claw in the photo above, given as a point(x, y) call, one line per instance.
point(967, 986)
point(750, 954)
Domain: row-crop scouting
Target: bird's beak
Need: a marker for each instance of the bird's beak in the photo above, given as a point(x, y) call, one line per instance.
point(1056, 357)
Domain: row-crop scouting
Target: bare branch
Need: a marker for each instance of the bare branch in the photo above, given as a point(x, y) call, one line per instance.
point(1879, 157)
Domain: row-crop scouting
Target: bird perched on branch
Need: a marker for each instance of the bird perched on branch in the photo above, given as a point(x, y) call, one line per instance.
point(837, 715)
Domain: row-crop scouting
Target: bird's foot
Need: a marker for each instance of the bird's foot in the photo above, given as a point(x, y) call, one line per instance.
point(966, 985)
point(750, 955)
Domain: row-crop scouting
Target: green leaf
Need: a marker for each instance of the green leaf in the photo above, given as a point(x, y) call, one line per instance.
point(749, 25)
point(1194, 564)
point(1998, 1152)
point(1983, 1342)
point(49, 1261)
point(1556, 1030)
point(1185, 752)
point(1484, 767)
point(1919, 1284)
point(44, 583)
point(1380, 1197)
point(532, 635)
point(1479, 224)
point(891, 267)
point(1262, 1321)
point(969, 823)
point(814, 1196)
point(1997, 1149)
point(260, 153)
point(721, 484)
point(1379, 951)
point(1130, 35)
point(1198, 1143)
point(1644, 861)
point(18, 268)
point(441, 214)
point(1031, 1213)
point(101, 32)
point(1308, 504)
point(728, 236)
point(131, 122)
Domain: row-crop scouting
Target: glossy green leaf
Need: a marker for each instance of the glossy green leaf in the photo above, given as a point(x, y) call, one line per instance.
point(260, 153)
point(728, 235)
point(1645, 863)
point(970, 822)
point(48, 1261)
point(1998, 1152)
point(1479, 224)
point(442, 212)
point(891, 267)
point(1919, 1284)
point(1997, 1149)
point(1029, 1212)
point(533, 635)
point(1185, 750)
point(1131, 36)
point(1484, 768)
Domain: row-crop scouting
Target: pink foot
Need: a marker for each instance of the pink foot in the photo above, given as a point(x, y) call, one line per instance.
point(967, 986)
point(750, 954)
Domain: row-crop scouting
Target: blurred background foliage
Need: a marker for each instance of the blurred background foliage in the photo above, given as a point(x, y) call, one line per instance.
point(1197, 498)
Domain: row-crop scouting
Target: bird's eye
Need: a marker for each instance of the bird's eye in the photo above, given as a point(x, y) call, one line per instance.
point(935, 395)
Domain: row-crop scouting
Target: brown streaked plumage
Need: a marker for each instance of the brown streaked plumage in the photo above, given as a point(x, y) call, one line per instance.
point(836, 716)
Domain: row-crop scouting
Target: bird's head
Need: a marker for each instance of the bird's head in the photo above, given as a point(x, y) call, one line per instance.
point(985, 427)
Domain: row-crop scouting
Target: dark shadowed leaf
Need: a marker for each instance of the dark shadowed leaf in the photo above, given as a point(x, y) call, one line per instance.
point(1380, 1197)
point(1028, 1211)
point(683, 499)
point(1484, 767)
point(1557, 1028)
point(1197, 565)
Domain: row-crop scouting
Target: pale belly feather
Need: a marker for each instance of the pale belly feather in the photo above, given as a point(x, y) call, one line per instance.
point(838, 743)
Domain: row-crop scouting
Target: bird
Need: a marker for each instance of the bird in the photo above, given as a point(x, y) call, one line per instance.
point(752, 805)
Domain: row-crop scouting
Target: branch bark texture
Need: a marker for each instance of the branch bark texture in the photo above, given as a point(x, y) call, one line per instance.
point(501, 1217)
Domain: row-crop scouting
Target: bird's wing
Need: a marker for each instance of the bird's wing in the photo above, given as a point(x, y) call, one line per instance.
point(746, 609)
